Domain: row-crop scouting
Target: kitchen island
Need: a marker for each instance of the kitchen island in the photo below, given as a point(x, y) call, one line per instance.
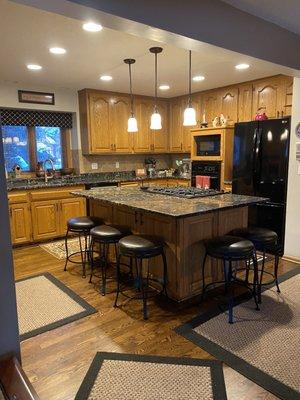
point(182, 223)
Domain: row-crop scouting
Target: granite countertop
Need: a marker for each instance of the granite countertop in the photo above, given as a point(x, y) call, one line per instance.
point(176, 207)
point(75, 180)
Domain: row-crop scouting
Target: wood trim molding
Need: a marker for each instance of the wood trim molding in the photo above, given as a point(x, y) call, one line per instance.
point(295, 260)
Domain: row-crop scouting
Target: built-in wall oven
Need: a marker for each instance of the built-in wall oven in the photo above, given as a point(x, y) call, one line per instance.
point(207, 168)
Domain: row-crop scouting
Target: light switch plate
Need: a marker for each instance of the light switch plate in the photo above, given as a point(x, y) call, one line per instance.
point(94, 165)
point(299, 168)
point(117, 164)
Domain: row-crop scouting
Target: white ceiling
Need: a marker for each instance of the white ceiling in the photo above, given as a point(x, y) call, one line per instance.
point(27, 33)
point(285, 13)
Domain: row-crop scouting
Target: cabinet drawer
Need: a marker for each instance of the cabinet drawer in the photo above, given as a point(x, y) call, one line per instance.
point(53, 194)
point(17, 197)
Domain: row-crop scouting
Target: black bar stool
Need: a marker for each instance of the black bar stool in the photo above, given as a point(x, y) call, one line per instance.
point(81, 227)
point(105, 235)
point(230, 249)
point(265, 241)
point(140, 247)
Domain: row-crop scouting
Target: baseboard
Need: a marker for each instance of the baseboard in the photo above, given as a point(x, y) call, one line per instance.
point(291, 259)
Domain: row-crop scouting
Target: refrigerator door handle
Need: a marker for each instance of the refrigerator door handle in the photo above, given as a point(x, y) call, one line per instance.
point(254, 157)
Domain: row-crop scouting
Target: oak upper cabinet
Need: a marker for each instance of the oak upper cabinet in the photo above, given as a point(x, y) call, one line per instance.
point(267, 97)
point(20, 223)
point(160, 138)
point(68, 208)
point(211, 105)
point(98, 138)
point(176, 127)
point(229, 103)
point(119, 112)
point(245, 92)
point(287, 95)
point(45, 219)
point(142, 141)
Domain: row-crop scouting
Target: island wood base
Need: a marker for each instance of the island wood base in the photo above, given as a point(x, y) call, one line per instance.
point(183, 238)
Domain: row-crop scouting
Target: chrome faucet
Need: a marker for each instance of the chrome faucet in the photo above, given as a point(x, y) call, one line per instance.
point(47, 177)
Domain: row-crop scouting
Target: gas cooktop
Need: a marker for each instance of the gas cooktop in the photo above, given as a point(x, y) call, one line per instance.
point(184, 192)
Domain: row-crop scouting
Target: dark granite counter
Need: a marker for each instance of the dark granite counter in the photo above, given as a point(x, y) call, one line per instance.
point(166, 205)
point(74, 180)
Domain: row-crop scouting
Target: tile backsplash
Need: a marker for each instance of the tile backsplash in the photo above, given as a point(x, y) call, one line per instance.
point(107, 163)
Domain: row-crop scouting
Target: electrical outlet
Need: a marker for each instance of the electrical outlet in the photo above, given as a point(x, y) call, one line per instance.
point(117, 164)
point(94, 165)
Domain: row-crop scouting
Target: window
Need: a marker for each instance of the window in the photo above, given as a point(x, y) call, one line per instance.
point(48, 145)
point(16, 147)
point(25, 146)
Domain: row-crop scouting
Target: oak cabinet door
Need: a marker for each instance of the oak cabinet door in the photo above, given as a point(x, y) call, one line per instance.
point(70, 208)
point(45, 219)
point(142, 138)
point(99, 132)
point(119, 114)
point(266, 97)
point(20, 223)
point(211, 105)
point(176, 121)
point(287, 95)
point(245, 103)
point(229, 103)
point(160, 138)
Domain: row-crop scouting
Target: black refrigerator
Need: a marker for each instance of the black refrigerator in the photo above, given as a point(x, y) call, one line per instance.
point(260, 168)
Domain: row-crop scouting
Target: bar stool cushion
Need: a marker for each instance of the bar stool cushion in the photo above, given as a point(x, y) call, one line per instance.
point(229, 247)
point(109, 233)
point(83, 223)
point(260, 237)
point(140, 246)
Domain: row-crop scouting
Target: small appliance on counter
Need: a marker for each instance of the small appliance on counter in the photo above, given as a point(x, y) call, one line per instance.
point(16, 169)
point(150, 164)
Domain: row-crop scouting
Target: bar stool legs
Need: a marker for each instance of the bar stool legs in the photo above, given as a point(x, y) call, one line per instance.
point(83, 250)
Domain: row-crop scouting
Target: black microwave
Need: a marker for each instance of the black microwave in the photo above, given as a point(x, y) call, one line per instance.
point(208, 145)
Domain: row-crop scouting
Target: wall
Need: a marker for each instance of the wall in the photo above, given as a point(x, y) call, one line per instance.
point(9, 333)
point(292, 238)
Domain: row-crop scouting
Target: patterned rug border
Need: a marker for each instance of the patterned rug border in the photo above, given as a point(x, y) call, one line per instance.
point(255, 374)
point(218, 382)
point(89, 309)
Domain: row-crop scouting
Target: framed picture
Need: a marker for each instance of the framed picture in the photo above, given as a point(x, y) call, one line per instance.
point(27, 96)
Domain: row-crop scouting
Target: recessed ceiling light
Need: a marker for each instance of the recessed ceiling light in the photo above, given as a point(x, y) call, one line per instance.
point(164, 87)
point(34, 67)
point(198, 78)
point(57, 50)
point(242, 66)
point(106, 78)
point(92, 27)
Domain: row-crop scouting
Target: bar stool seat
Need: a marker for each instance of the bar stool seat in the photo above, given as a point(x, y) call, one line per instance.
point(229, 247)
point(260, 237)
point(265, 241)
point(82, 223)
point(80, 226)
point(141, 246)
point(109, 233)
point(106, 235)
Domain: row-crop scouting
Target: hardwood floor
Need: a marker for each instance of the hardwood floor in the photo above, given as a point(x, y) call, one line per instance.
point(57, 361)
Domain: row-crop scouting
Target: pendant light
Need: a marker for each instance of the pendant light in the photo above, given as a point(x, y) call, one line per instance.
point(132, 122)
point(155, 117)
point(189, 116)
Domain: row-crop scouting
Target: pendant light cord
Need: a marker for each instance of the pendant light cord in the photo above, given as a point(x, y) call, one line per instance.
point(130, 86)
point(155, 105)
point(190, 78)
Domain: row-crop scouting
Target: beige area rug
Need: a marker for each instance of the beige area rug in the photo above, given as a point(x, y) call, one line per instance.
point(58, 250)
point(45, 303)
point(262, 345)
point(113, 376)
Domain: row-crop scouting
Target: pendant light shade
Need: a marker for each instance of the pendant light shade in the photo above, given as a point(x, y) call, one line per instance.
point(132, 122)
point(189, 116)
point(155, 122)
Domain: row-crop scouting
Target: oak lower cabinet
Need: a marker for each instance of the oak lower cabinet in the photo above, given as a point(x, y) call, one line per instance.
point(20, 223)
point(70, 208)
point(45, 219)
